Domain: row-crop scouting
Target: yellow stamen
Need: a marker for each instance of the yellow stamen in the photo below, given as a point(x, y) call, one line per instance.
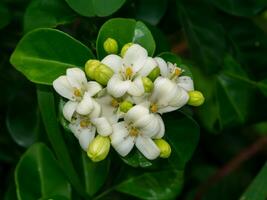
point(128, 72)
point(177, 71)
point(84, 123)
point(77, 92)
point(133, 132)
point(114, 103)
point(154, 108)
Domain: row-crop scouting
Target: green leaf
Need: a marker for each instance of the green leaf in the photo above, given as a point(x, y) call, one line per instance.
point(38, 175)
point(4, 16)
point(182, 132)
point(46, 14)
point(205, 35)
point(153, 185)
point(171, 57)
point(263, 86)
point(44, 54)
point(240, 7)
point(48, 113)
point(23, 119)
point(151, 11)
point(89, 8)
point(125, 31)
point(257, 189)
point(95, 174)
point(136, 159)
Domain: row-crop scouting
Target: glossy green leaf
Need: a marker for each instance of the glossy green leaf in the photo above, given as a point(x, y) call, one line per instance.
point(23, 119)
point(46, 14)
point(257, 189)
point(151, 11)
point(171, 57)
point(182, 133)
point(4, 16)
point(240, 7)
point(125, 31)
point(153, 185)
point(91, 8)
point(263, 86)
point(44, 54)
point(95, 174)
point(45, 101)
point(205, 35)
point(136, 159)
point(38, 175)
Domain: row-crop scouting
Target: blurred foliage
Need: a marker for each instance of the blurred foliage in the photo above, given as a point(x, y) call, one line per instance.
point(223, 42)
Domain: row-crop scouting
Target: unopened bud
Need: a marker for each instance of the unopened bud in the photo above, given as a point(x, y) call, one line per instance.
point(90, 68)
point(196, 98)
point(111, 46)
point(98, 148)
point(125, 106)
point(148, 84)
point(102, 74)
point(164, 147)
point(154, 74)
point(125, 48)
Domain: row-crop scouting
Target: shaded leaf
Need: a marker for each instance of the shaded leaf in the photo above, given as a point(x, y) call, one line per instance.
point(4, 15)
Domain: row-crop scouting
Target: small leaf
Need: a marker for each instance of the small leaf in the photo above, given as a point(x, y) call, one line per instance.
point(125, 31)
point(89, 8)
point(38, 175)
point(44, 54)
point(153, 185)
point(46, 14)
point(257, 189)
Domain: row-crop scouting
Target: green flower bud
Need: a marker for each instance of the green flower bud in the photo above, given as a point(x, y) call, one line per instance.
point(98, 148)
point(102, 74)
point(90, 67)
point(196, 98)
point(125, 106)
point(125, 48)
point(111, 46)
point(154, 74)
point(164, 147)
point(148, 84)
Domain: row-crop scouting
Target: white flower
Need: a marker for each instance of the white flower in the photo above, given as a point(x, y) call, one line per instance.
point(84, 127)
point(138, 128)
point(128, 71)
point(173, 72)
point(74, 86)
point(166, 96)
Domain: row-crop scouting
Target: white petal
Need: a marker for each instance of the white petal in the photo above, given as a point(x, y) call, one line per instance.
point(102, 126)
point(166, 109)
point(107, 109)
point(135, 113)
point(117, 87)
point(136, 57)
point(151, 127)
point(163, 66)
point(76, 78)
point(180, 99)
point(125, 146)
point(93, 88)
point(86, 105)
point(96, 112)
point(161, 131)
point(186, 83)
point(113, 61)
point(136, 87)
point(147, 147)
point(69, 109)
point(149, 65)
point(85, 138)
point(119, 133)
point(75, 128)
point(63, 87)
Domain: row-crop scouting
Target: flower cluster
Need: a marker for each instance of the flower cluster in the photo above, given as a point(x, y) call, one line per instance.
point(122, 103)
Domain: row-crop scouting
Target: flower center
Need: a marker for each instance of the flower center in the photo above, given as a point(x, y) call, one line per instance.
point(153, 108)
point(133, 132)
point(128, 72)
point(77, 92)
point(84, 123)
point(176, 72)
point(115, 103)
